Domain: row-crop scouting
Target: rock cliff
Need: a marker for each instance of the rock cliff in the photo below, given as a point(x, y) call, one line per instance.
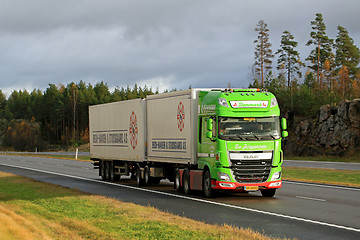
point(335, 131)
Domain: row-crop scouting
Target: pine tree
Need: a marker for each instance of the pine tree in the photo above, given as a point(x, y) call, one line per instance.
point(347, 53)
point(323, 44)
point(263, 52)
point(288, 56)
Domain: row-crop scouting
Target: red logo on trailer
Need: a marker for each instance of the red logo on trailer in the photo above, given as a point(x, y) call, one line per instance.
point(133, 130)
point(180, 116)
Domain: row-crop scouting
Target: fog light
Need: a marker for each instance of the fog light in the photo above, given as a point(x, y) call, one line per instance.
point(226, 185)
point(275, 184)
point(224, 176)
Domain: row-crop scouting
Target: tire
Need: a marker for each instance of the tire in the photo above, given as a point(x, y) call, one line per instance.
point(113, 176)
point(139, 180)
point(177, 181)
point(268, 192)
point(107, 170)
point(186, 181)
point(147, 178)
point(207, 189)
point(102, 170)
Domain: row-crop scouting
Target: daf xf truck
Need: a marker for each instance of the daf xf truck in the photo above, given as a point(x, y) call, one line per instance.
point(201, 139)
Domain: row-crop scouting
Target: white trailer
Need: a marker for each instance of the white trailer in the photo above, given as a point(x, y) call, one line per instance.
point(149, 137)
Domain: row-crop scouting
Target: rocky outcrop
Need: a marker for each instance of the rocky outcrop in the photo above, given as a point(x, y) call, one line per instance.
point(335, 131)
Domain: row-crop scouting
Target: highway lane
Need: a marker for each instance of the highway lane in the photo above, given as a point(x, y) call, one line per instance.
point(310, 202)
point(287, 163)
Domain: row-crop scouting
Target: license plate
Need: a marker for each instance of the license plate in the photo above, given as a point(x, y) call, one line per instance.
point(251, 188)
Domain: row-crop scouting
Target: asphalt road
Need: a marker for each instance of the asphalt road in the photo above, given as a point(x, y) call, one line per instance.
point(304, 211)
point(287, 163)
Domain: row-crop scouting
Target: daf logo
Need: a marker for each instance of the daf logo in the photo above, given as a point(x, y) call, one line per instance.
point(251, 156)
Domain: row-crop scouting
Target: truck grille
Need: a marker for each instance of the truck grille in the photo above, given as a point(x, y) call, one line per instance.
point(251, 167)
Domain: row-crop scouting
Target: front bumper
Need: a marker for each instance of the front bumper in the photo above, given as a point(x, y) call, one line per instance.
point(235, 186)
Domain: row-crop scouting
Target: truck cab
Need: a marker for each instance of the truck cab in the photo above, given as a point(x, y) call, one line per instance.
point(239, 141)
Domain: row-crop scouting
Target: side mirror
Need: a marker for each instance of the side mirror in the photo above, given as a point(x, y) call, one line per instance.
point(284, 134)
point(209, 124)
point(283, 124)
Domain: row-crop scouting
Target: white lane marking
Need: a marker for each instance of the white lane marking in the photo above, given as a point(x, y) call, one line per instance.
point(322, 185)
point(194, 199)
point(314, 199)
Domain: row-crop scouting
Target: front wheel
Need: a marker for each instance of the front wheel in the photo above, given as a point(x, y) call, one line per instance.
point(208, 191)
point(268, 192)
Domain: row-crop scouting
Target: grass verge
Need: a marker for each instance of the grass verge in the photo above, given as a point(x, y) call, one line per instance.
point(327, 176)
point(36, 210)
point(353, 159)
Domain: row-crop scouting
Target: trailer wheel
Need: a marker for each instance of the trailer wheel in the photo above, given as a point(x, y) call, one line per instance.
point(208, 191)
point(139, 180)
point(147, 178)
point(107, 170)
point(102, 170)
point(113, 176)
point(268, 192)
point(186, 181)
point(177, 182)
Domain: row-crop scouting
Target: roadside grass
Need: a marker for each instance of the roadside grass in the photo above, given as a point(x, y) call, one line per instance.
point(66, 157)
point(327, 176)
point(34, 210)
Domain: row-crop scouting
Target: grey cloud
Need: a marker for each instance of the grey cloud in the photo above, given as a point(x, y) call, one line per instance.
point(175, 43)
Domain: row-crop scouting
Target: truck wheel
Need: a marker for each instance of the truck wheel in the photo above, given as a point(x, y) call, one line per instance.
point(147, 178)
point(177, 183)
point(208, 191)
point(102, 170)
point(113, 176)
point(268, 192)
point(107, 170)
point(186, 181)
point(139, 180)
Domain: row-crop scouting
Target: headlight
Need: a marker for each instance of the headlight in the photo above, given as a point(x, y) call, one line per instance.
point(224, 176)
point(223, 102)
point(273, 102)
point(276, 176)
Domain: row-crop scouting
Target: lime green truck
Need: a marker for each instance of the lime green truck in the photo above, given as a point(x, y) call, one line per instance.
point(205, 140)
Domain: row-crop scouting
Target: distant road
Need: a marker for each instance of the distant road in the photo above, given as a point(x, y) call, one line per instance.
point(316, 164)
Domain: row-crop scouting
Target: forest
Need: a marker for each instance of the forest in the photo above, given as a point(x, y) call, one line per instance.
point(58, 116)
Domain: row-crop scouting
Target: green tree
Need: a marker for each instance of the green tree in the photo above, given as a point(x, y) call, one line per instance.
point(102, 92)
point(288, 56)
point(347, 53)
point(323, 46)
point(18, 104)
point(263, 52)
point(2, 105)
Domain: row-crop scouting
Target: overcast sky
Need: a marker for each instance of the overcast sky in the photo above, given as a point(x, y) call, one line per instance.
point(164, 44)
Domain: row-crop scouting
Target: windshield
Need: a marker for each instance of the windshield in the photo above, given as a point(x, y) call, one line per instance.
point(260, 128)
